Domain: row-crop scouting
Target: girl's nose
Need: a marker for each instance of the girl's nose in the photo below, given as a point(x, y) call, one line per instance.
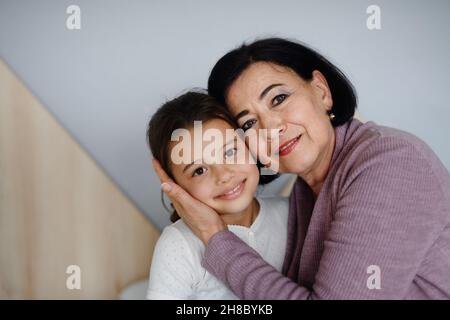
point(224, 174)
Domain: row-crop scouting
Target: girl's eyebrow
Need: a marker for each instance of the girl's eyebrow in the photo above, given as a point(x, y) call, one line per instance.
point(196, 161)
point(190, 164)
point(228, 142)
point(241, 114)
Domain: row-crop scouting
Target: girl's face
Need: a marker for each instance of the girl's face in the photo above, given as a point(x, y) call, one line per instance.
point(226, 182)
point(269, 96)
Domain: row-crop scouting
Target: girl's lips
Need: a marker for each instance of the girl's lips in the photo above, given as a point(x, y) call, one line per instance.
point(287, 147)
point(233, 193)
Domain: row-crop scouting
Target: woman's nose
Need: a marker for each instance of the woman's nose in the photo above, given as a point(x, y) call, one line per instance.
point(274, 125)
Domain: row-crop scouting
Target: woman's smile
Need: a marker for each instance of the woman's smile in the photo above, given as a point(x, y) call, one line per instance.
point(287, 147)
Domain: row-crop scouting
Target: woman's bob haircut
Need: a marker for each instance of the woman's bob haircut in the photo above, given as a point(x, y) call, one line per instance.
point(286, 53)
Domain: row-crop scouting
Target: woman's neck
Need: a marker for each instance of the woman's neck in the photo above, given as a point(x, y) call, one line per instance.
point(316, 178)
point(244, 218)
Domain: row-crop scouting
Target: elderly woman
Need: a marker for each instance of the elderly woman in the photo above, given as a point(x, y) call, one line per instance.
point(370, 210)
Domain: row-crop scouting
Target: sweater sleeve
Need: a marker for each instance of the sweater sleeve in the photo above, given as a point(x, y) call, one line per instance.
point(387, 215)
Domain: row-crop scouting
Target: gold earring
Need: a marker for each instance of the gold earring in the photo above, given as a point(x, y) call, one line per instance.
point(332, 116)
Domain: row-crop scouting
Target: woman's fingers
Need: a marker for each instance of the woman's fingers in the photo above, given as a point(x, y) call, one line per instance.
point(163, 177)
point(173, 191)
point(179, 197)
point(200, 218)
point(177, 194)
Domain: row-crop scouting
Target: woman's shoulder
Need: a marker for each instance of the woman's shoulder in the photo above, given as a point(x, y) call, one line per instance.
point(387, 136)
point(380, 150)
point(368, 141)
point(374, 136)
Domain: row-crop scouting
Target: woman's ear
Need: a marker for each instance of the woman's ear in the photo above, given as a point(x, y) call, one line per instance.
point(320, 83)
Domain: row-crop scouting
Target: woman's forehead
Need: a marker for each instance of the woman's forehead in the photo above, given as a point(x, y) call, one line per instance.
point(258, 76)
point(254, 80)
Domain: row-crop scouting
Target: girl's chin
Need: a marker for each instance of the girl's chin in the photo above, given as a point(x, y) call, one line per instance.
point(233, 206)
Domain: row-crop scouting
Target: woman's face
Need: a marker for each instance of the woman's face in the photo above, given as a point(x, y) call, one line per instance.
point(221, 183)
point(269, 96)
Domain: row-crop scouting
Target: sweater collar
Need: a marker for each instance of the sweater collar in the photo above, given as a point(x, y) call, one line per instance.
point(342, 134)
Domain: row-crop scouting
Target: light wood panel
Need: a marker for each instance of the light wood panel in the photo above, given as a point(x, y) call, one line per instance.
point(58, 208)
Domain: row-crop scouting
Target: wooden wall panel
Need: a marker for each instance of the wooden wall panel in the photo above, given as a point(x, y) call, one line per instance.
point(58, 208)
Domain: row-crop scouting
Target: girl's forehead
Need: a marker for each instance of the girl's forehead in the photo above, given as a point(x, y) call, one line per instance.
point(214, 127)
point(188, 142)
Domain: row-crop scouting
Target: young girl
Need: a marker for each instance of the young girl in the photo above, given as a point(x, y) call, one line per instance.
point(228, 187)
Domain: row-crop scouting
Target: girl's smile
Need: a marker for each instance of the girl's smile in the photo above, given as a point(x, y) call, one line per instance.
point(234, 192)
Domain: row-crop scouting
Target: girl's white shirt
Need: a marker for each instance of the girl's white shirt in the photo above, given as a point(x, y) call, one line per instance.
point(177, 273)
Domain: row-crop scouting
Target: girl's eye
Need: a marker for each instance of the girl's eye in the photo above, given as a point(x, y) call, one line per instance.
point(278, 99)
point(230, 152)
point(199, 171)
point(248, 124)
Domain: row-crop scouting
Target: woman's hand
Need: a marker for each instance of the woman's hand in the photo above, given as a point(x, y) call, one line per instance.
point(202, 220)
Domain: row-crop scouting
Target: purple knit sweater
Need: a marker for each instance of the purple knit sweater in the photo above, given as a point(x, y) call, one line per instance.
point(383, 211)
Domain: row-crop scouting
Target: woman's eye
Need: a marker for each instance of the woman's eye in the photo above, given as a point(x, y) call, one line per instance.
point(199, 171)
point(230, 152)
point(248, 124)
point(278, 99)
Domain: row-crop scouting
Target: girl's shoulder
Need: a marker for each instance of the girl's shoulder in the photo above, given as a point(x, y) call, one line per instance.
point(179, 236)
point(274, 202)
point(274, 207)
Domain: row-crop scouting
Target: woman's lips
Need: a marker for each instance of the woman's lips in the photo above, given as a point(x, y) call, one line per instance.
point(233, 193)
point(287, 147)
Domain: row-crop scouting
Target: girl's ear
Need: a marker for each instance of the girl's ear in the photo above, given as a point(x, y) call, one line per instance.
point(164, 203)
point(320, 83)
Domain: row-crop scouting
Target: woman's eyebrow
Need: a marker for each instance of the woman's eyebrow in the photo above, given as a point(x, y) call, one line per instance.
point(266, 90)
point(261, 96)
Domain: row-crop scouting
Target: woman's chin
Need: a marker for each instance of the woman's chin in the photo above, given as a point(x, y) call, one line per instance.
point(294, 167)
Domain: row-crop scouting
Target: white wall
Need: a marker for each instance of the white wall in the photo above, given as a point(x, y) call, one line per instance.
point(103, 82)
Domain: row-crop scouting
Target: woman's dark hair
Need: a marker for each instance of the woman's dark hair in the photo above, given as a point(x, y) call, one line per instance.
point(293, 55)
point(179, 113)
